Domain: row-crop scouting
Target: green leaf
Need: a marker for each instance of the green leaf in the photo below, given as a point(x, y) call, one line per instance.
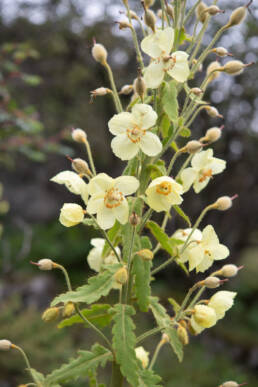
point(146, 243)
point(185, 132)
point(175, 305)
point(183, 215)
point(165, 125)
point(163, 320)
point(161, 237)
point(147, 378)
point(40, 378)
point(124, 342)
point(97, 314)
point(131, 167)
point(113, 233)
point(87, 360)
point(142, 271)
point(158, 169)
point(98, 286)
point(169, 100)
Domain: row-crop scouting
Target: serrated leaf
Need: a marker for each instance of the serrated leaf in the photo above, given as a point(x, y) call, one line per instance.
point(147, 378)
point(142, 271)
point(169, 100)
point(98, 286)
point(97, 314)
point(175, 305)
point(158, 169)
point(185, 132)
point(164, 321)
point(124, 342)
point(87, 360)
point(183, 215)
point(161, 237)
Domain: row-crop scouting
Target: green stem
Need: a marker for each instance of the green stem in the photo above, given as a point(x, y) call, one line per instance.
point(187, 161)
point(199, 40)
point(156, 353)
point(117, 378)
point(163, 265)
point(148, 334)
point(172, 161)
point(134, 36)
point(117, 101)
point(128, 285)
point(26, 362)
point(195, 115)
point(191, 11)
point(196, 298)
point(92, 165)
point(185, 301)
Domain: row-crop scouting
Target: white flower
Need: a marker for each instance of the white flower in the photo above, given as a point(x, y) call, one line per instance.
point(143, 356)
point(95, 258)
point(182, 234)
point(71, 214)
point(163, 192)
point(108, 198)
point(73, 182)
point(202, 253)
point(221, 302)
point(158, 46)
point(132, 134)
point(204, 166)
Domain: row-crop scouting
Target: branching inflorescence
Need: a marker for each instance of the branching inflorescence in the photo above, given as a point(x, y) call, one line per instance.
point(121, 208)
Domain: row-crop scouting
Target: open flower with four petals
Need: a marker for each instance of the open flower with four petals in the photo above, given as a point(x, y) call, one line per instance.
point(158, 46)
point(132, 132)
point(108, 198)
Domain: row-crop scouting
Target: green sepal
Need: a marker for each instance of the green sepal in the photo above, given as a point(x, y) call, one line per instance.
point(175, 305)
point(97, 315)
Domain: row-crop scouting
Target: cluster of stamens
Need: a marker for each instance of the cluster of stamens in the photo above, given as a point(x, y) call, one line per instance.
point(135, 134)
point(113, 198)
point(164, 188)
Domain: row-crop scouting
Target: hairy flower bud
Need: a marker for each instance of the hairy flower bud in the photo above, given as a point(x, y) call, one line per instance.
point(140, 86)
point(150, 19)
point(229, 270)
point(237, 16)
point(221, 51)
point(192, 147)
point(213, 10)
point(79, 135)
point(68, 309)
point(81, 166)
point(100, 92)
point(5, 345)
point(121, 276)
point(134, 219)
point(223, 203)
point(211, 282)
point(200, 13)
point(45, 264)
point(146, 254)
point(183, 335)
point(196, 91)
point(99, 53)
point(212, 135)
point(50, 314)
point(212, 112)
point(126, 89)
point(235, 67)
point(211, 70)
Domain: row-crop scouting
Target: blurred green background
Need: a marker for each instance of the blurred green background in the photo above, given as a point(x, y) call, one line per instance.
point(46, 75)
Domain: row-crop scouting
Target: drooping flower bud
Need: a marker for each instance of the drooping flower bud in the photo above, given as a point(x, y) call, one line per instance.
point(232, 384)
point(213, 112)
point(140, 86)
point(221, 51)
point(45, 264)
point(71, 214)
point(200, 13)
point(146, 254)
point(81, 167)
point(126, 89)
point(192, 147)
point(50, 314)
point(224, 203)
point(229, 270)
point(134, 15)
point(124, 24)
point(196, 91)
point(121, 276)
point(183, 335)
point(79, 135)
point(100, 92)
point(212, 135)
point(235, 67)
point(211, 70)
point(5, 345)
point(213, 10)
point(148, 3)
point(150, 19)
point(212, 282)
point(134, 219)
point(170, 11)
point(68, 309)
point(99, 53)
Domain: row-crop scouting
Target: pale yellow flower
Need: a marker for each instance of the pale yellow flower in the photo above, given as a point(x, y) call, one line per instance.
point(73, 182)
point(163, 192)
point(133, 134)
point(204, 166)
point(158, 46)
point(95, 258)
point(108, 198)
point(71, 214)
point(143, 356)
point(203, 317)
point(221, 302)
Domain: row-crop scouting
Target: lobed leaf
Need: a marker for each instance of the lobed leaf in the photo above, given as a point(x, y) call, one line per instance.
point(147, 378)
point(97, 314)
point(142, 271)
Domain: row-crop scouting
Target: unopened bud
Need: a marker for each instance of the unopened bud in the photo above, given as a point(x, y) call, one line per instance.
point(235, 67)
point(134, 219)
point(221, 51)
point(79, 135)
point(213, 10)
point(212, 282)
point(126, 89)
point(196, 91)
point(134, 15)
point(165, 338)
point(68, 309)
point(121, 276)
point(99, 53)
point(146, 254)
point(223, 203)
point(212, 135)
point(50, 314)
point(237, 16)
point(192, 147)
point(212, 112)
point(100, 92)
point(148, 3)
point(45, 264)
point(229, 270)
point(183, 335)
point(81, 166)
point(211, 70)
point(124, 24)
point(170, 11)
point(150, 19)
point(5, 345)
point(140, 86)
point(232, 384)
point(200, 13)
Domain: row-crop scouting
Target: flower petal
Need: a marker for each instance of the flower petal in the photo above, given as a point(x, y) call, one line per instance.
point(188, 176)
point(122, 212)
point(154, 74)
point(180, 72)
point(198, 185)
point(95, 203)
point(150, 46)
point(127, 184)
point(150, 144)
point(123, 147)
point(158, 202)
point(144, 115)
point(97, 242)
point(100, 183)
point(157, 43)
point(105, 217)
point(217, 165)
point(119, 123)
point(201, 159)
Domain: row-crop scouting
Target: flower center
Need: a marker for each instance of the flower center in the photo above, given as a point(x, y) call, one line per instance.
point(169, 62)
point(204, 175)
point(113, 198)
point(135, 134)
point(164, 188)
point(207, 252)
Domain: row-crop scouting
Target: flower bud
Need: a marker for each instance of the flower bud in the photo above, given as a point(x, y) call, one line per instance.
point(126, 89)
point(150, 19)
point(140, 86)
point(68, 309)
point(235, 67)
point(100, 92)
point(134, 15)
point(45, 264)
point(229, 270)
point(196, 91)
point(99, 53)
point(200, 13)
point(143, 356)
point(211, 282)
point(165, 338)
point(121, 276)
point(211, 70)
point(148, 3)
point(221, 51)
point(146, 254)
point(212, 112)
point(204, 316)
point(237, 16)
point(81, 166)
point(192, 147)
point(213, 10)
point(212, 135)
point(134, 219)
point(183, 335)
point(50, 314)
point(79, 135)
point(124, 24)
point(232, 384)
point(223, 203)
point(170, 11)
point(71, 214)
point(5, 345)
